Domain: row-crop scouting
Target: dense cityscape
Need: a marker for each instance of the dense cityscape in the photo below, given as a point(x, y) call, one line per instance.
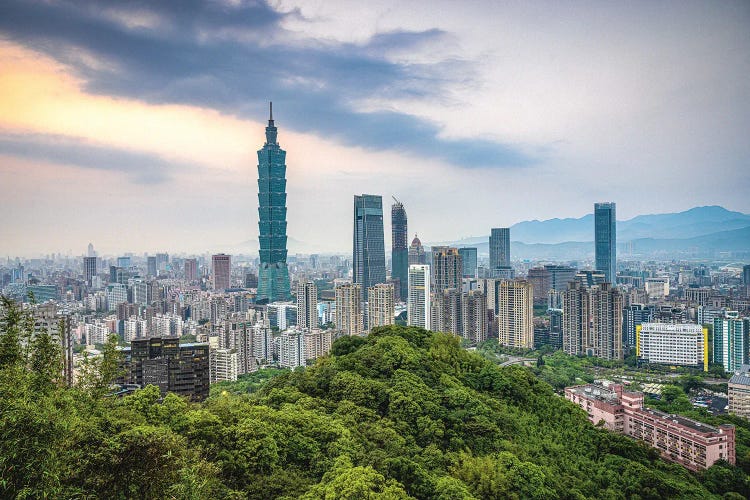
point(589, 357)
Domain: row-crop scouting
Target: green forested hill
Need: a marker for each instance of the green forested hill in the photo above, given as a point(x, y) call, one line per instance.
point(403, 413)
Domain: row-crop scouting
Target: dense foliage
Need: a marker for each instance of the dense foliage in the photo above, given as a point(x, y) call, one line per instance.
point(403, 413)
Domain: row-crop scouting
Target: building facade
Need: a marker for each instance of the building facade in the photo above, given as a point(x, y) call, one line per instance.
point(273, 274)
point(380, 305)
point(739, 392)
point(681, 344)
point(515, 314)
point(499, 247)
point(368, 255)
point(307, 305)
point(399, 248)
point(349, 318)
point(605, 239)
point(469, 259)
point(447, 268)
point(419, 305)
point(221, 269)
point(731, 341)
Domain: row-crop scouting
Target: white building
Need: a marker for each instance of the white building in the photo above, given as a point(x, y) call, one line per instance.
point(317, 343)
point(657, 288)
point(117, 293)
point(223, 365)
point(683, 344)
point(419, 304)
point(292, 349)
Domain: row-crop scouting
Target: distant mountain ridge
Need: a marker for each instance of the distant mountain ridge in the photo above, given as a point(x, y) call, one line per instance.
point(698, 221)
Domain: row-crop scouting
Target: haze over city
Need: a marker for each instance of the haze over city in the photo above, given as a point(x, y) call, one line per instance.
point(143, 119)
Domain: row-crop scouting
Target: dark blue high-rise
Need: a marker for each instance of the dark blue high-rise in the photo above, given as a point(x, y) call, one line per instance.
point(368, 244)
point(605, 240)
point(273, 275)
point(400, 249)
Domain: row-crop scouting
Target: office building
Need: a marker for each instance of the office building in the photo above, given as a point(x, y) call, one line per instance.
point(515, 315)
point(657, 288)
point(173, 367)
point(162, 261)
point(632, 316)
point(605, 240)
point(555, 327)
point(739, 392)
point(416, 253)
point(541, 280)
point(731, 341)
point(191, 270)
point(89, 269)
point(469, 259)
point(678, 344)
point(399, 248)
point(221, 268)
point(447, 268)
point(499, 247)
point(151, 268)
point(560, 276)
point(124, 262)
point(380, 305)
point(419, 305)
point(282, 315)
point(273, 274)
point(307, 305)
point(349, 315)
point(695, 445)
point(589, 278)
point(368, 246)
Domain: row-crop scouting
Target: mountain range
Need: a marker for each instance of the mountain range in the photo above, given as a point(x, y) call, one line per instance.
point(700, 230)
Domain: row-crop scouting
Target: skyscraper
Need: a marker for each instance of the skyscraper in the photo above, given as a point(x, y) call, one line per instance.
point(368, 244)
point(380, 310)
point(307, 305)
point(469, 258)
point(151, 268)
point(399, 248)
point(605, 239)
point(499, 247)
point(419, 304)
point(515, 314)
point(89, 268)
point(447, 268)
point(273, 275)
point(221, 265)
point(191, 270)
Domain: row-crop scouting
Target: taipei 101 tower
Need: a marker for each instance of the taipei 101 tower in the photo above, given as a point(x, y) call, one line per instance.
point(273, 275)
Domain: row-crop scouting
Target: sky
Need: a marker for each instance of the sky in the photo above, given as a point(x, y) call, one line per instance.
point(135, 125)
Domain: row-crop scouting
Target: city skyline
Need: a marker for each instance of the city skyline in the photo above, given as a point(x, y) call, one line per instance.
point(99, 136)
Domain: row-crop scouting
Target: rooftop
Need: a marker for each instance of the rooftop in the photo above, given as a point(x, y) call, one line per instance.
point(683, 421)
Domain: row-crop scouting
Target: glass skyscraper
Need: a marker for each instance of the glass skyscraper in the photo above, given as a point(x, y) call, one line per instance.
point(469, 257)
point(400, 249)
point(273, 275)
point(499, 247)
point(605, 240)
point(368, 244)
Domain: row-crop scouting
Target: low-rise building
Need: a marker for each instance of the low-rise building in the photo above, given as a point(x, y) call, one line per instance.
point(739, 392)
point(682, 440)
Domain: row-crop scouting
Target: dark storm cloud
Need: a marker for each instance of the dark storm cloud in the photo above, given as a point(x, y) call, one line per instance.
point(140, 168)
point(235, 58)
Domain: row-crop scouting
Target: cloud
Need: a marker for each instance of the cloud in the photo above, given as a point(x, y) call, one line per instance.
point(235, 57)
point(141, 168)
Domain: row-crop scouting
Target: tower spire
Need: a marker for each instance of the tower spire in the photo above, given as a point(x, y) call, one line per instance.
point(271, 128)
point(270, 108)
